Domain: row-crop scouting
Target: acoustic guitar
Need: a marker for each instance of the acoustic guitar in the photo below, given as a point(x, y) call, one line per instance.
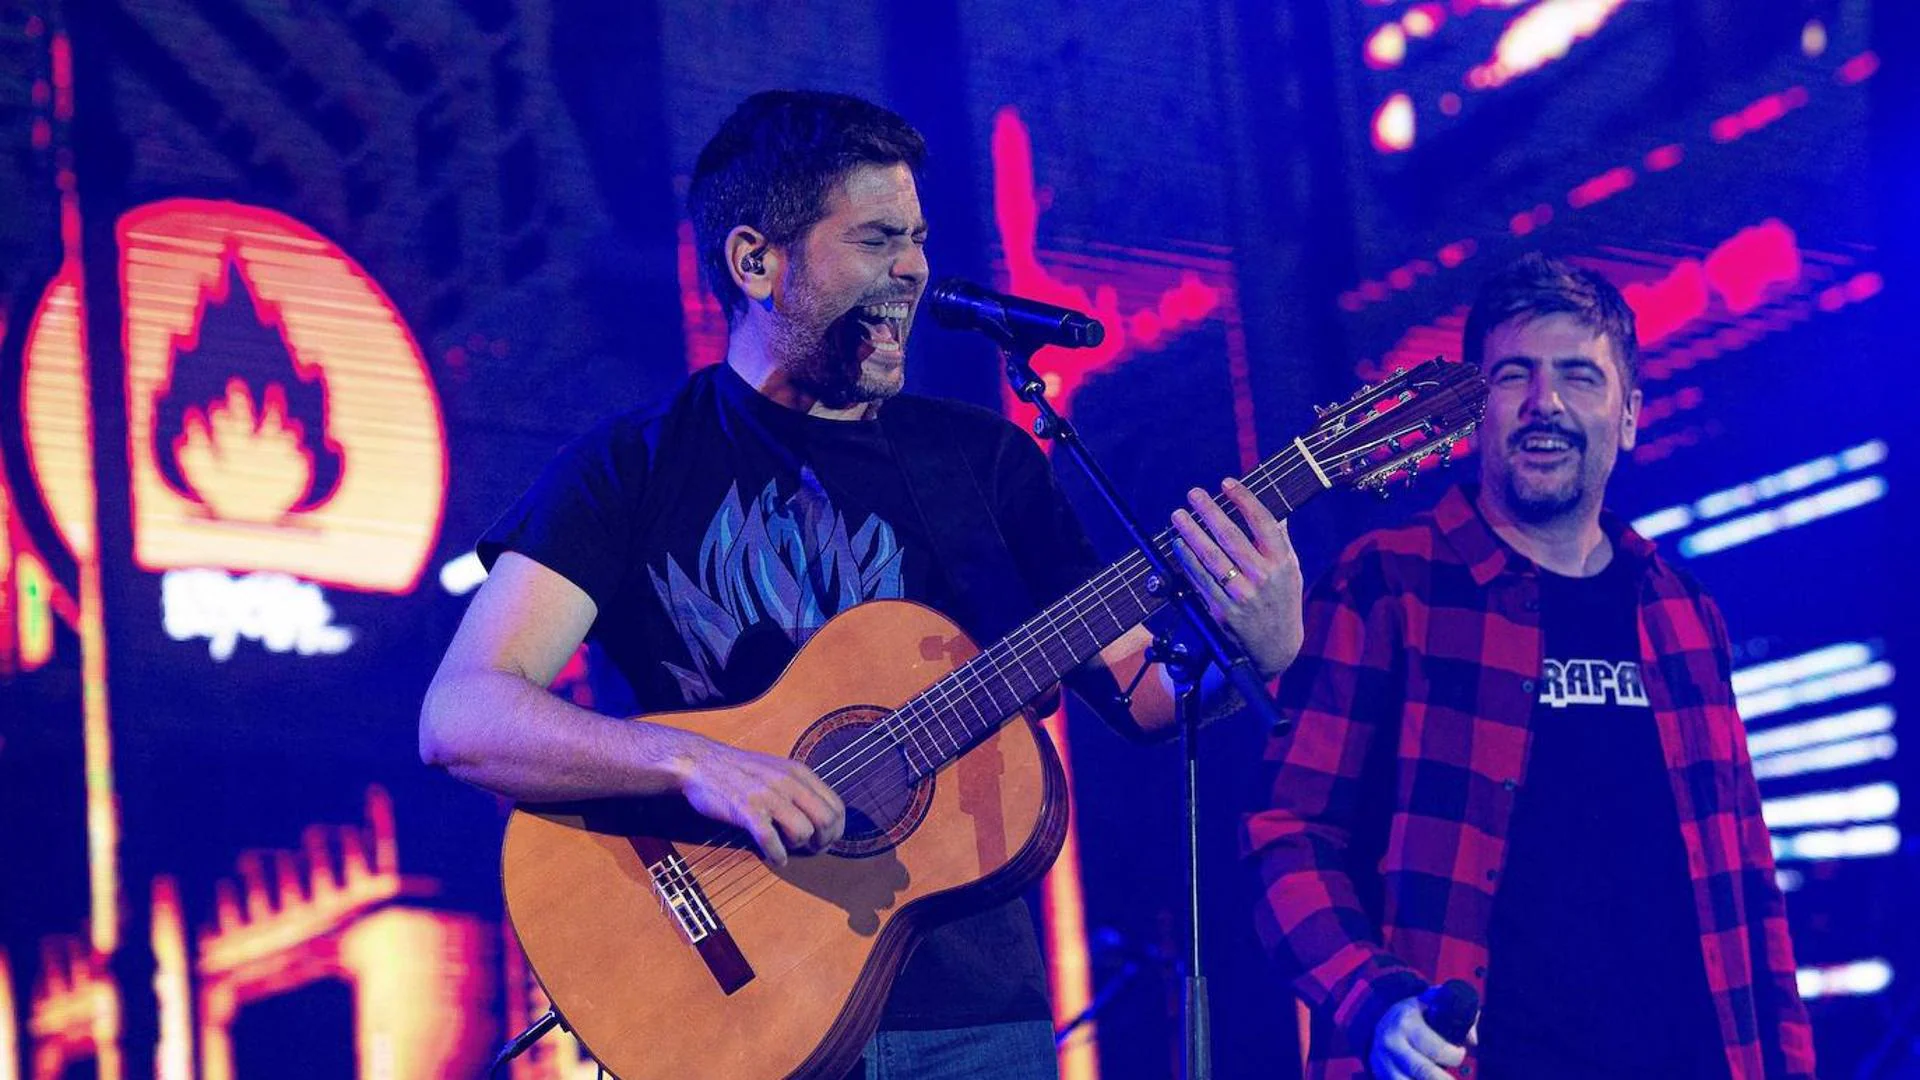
point(672, 950)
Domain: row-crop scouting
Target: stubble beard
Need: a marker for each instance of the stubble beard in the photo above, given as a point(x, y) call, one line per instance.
point(1538, 508)
point(820, 351)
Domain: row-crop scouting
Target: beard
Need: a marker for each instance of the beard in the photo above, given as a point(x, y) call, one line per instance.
point(823, 357)
point(1535, 498)
point(1538, 505)
point(821, 342)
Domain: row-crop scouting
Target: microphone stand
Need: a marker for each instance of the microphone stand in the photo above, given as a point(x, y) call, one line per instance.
point(1185, 664)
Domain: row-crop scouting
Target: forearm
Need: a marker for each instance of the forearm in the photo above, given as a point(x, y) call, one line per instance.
point(499, 732)
point(1317, 933)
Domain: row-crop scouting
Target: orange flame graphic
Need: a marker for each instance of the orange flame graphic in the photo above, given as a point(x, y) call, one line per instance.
point(340, 478)
point(247, 467)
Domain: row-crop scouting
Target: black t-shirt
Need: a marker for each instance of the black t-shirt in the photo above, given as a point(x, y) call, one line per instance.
point(1594, 947)
point(717, 535)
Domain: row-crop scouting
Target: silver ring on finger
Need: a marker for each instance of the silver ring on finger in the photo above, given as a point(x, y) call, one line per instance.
point(1232, 572)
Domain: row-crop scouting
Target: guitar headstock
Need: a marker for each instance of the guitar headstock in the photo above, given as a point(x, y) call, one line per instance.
point(1386, 429)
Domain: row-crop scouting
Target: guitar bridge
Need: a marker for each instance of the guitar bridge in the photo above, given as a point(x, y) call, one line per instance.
point(682, 898)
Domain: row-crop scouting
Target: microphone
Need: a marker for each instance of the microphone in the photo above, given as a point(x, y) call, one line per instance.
point(1450, 1009)
point(1011, 320)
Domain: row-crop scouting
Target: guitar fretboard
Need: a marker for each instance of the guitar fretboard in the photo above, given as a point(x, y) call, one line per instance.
point(972, 701)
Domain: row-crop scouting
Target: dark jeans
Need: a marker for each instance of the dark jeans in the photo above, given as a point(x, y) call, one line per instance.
point(1018, 1051)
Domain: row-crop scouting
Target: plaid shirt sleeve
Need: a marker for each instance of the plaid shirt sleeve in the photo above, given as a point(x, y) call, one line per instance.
point(1786, 1034)
point(1340, 696)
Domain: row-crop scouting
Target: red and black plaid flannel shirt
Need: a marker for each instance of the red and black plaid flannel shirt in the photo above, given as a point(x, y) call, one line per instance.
point(1410, 705)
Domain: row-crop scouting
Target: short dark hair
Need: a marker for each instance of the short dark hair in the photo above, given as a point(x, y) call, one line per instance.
point(1534, 286)
point(772, 164)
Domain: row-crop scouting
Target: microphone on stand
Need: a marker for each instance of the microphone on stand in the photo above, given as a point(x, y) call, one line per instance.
point(1011, 320)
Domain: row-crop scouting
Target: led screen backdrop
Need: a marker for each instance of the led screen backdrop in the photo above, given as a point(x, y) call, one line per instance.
point(298, 297)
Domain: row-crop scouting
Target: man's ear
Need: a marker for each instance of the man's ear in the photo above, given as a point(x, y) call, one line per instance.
point(753, 262)
point(1630, 421)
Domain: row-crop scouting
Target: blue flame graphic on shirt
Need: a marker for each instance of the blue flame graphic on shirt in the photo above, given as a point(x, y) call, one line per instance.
point(790, 562)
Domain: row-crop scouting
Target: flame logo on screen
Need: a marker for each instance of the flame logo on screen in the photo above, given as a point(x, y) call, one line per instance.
point(239, 428)
point(280, 413)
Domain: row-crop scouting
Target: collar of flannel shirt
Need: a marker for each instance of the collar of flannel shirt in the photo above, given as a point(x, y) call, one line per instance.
point(1487, 556)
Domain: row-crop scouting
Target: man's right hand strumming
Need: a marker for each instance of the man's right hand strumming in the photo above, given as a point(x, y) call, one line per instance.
point(776, 800)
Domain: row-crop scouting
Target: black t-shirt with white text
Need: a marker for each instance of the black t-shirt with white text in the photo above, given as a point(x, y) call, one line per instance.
point(717, 535)
point(1594, 965)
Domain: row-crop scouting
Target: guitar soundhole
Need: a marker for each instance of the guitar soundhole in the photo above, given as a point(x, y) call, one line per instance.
point(871, 775)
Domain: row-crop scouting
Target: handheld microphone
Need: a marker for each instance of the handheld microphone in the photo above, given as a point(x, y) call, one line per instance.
point(1450, 1009)
point(1011, 320)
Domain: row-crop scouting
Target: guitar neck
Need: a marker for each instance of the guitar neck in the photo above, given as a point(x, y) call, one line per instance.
point(972, 701)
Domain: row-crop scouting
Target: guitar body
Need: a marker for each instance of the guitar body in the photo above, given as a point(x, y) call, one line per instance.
point(789, 976)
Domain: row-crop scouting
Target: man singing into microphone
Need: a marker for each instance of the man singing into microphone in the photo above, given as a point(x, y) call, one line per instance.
point(702, 543)
point(1514, 760)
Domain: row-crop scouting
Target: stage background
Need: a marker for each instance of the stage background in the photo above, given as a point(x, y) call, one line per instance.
point(299, 296)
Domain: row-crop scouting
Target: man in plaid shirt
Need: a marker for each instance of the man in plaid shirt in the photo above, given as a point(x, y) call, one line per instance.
point(1514, 759)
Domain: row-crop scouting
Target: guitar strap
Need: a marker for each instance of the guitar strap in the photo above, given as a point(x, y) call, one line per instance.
point(986, 590)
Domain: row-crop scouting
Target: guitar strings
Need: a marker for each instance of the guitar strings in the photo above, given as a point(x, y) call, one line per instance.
point(1128, 565)
point(878, 743)
point(725, 890)
point(886, 737)
point(735, 892)
point(735, 898)
point(1023, 644)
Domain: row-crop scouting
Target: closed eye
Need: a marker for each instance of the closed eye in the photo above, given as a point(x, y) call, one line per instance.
point(1582, 372)
point(878, 235)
